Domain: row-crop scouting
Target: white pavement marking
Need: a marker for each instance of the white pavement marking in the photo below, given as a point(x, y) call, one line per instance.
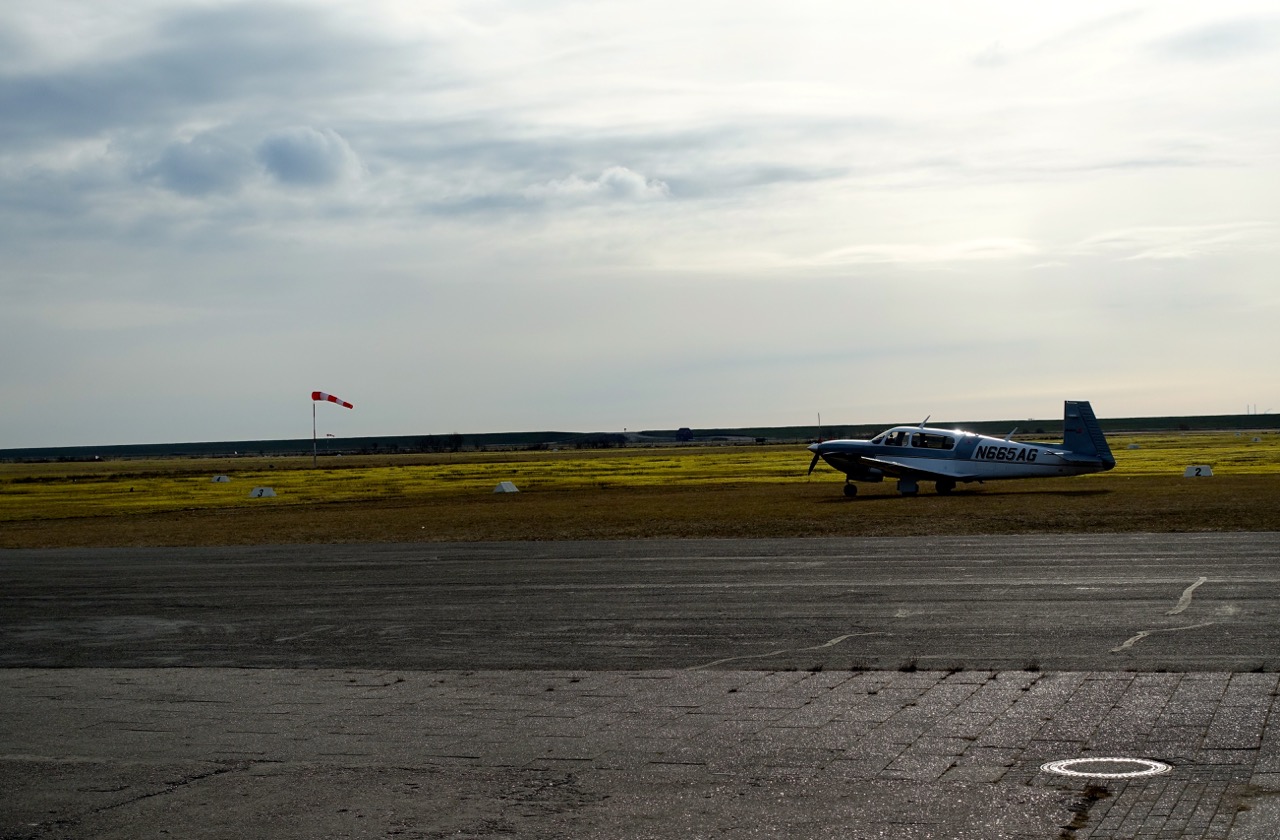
point(837, 640)
point(1142, 635)
point(1185, 600)
point(1146, 767)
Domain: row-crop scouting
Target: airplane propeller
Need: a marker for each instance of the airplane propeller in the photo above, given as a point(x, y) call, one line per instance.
point(814, 462)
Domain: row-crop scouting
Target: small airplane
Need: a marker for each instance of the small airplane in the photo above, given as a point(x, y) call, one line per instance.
point(946, 457)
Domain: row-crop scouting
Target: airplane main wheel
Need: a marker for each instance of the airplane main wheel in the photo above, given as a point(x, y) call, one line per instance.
point(945, 487)
point(851, 490)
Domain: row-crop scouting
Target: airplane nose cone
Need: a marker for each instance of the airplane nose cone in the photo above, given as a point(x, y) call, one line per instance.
point(813, 447)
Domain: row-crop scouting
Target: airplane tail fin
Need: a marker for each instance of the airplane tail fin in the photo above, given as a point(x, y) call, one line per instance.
point(1082, 434)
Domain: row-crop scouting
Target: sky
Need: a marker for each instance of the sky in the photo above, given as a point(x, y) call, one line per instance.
point(595, 216)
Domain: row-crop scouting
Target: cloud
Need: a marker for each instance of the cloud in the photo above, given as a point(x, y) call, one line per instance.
point(992, 248)
point(172, 174)
point(616, 183)
point(194, 63)
point(308, 157)
point(1223, 41)
point(106, 315)
point(202, 165)
point(1085, 35)
point(994, 55)
point(1179, 242)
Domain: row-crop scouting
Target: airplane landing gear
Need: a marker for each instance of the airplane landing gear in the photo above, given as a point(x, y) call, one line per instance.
point(908, 487)
point(945, 487)
point(850, 489)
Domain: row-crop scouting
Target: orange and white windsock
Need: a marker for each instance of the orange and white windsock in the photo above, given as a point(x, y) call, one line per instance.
point(321, 396)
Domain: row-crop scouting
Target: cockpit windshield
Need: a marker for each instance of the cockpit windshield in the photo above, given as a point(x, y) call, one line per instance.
point(916, 439)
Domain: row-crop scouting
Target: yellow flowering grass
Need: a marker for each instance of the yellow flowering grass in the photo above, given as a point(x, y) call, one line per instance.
point(617, 493)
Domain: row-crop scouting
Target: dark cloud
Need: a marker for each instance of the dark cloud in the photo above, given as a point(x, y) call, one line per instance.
point(13, 47)
point(1223, 41)
point(494, 167)
point(204, 164)
point(307, 156)
point(199, 60)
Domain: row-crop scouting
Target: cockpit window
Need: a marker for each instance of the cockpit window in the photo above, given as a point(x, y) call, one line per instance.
point(924, 440)
point(898, 438)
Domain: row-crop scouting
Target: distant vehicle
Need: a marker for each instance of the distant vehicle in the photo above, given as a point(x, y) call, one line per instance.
point(946, 457)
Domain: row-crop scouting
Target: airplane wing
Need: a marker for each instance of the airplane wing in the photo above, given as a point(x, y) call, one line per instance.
point(900, 470)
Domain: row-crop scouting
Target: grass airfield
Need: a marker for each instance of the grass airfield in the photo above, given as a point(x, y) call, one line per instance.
point(663, 492)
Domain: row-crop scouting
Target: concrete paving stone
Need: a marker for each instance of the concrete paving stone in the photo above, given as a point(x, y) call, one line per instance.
point(561, 733)
point(918, 768)
point(1247, 689)
point(920, 680)
point(898, 696)
point(1192, 706)
point(786, 702)
point(785, 754)
point(953, 691)
point(872, 712)
point(888, 734)
point(1259, 820)
point(1168, 799)
point(1185, 808)
point(579, 749)
point(1131, 718)
point(1041, 751)
point(918, 718)
point(868, 681)
point(862, 767)
point(1226, 758)
point(968, 720)
point(719, 728)
point(813, 739)
point(809, 717)
point(1055, 683)
point(559, 727)
point(770, 682)
point(1136, 709)
point(1237, 727)
point(968, 726)
point(979, 677)
point(1015, 678)
point(1001, 735)
point(992, 696)
point(993, 756)
point(980, 773)
point(840, 734)
point(939, 746)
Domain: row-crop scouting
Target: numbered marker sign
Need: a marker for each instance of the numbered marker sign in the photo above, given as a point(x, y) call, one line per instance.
point(1198, 471)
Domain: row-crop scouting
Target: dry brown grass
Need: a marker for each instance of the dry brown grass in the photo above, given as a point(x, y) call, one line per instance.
point(1110, 503)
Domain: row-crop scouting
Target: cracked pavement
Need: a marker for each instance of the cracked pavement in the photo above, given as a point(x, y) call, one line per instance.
point(897, 688)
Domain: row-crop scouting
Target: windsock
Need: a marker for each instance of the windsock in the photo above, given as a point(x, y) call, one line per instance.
point(321, 396)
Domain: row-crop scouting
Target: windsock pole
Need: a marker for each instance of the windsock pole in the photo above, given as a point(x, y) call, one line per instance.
point(321, 396)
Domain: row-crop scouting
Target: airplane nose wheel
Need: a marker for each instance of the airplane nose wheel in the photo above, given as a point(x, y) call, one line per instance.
point(850, 490)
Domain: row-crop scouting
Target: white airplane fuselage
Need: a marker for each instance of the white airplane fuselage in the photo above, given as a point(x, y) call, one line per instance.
point(950, 456)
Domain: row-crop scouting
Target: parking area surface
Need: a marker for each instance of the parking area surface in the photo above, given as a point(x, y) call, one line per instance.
point(853, 689)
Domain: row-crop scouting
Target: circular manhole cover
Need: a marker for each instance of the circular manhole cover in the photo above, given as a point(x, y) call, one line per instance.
point(1107, 768)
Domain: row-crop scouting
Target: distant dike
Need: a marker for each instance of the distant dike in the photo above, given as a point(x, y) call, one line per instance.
point(498, 441)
